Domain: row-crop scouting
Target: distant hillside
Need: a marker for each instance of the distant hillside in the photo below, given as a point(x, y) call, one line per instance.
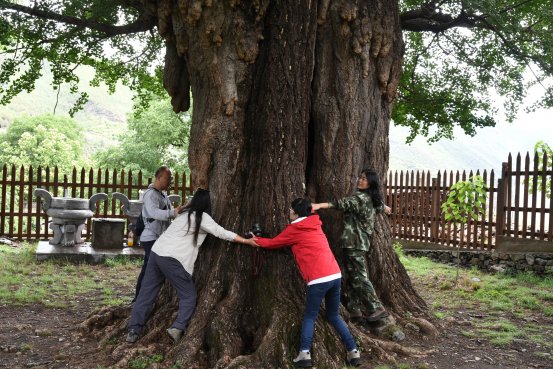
point(103, 117)
point(487, 150)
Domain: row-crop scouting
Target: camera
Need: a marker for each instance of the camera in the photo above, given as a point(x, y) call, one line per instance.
point(256, 230)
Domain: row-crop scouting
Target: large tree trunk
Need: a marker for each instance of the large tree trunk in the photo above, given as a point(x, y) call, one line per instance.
point(286, 93)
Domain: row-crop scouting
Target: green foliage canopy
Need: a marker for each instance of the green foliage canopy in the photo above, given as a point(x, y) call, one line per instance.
point(43, 140)
point(157, 137)
point(458, 52)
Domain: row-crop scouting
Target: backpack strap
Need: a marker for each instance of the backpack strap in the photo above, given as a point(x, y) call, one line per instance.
point(150, 220)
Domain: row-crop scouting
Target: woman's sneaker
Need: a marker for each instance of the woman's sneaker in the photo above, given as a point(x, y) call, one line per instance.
point(377, 315)
point(354, 358)
point(303, 360)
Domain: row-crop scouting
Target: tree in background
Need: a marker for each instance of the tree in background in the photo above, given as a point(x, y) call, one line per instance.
point(286, 93)
point(158, 136)
point(43, 140)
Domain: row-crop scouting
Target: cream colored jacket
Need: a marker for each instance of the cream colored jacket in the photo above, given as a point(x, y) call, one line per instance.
point(178, 242)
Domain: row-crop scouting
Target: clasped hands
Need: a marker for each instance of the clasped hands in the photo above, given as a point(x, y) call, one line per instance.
point(251, 241)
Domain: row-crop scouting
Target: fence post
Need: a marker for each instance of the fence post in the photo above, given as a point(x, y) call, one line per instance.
point(435, 212)
point(501, 198)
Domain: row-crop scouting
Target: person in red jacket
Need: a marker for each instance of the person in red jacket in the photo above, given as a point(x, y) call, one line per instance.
point(321, 272)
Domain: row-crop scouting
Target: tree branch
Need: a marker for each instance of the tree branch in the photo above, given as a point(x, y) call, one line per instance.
point(143, 23)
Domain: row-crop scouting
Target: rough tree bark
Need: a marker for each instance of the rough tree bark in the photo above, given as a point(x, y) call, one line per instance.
point(286, 93)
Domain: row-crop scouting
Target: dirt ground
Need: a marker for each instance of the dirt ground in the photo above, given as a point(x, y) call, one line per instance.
point(22, 346)
point(473, 334)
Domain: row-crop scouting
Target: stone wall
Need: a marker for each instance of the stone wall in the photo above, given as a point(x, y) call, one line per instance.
point(489, 260)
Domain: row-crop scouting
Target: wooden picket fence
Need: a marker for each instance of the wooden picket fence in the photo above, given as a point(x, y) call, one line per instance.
point(21, 214)
point(532, 212)
point(416, 199)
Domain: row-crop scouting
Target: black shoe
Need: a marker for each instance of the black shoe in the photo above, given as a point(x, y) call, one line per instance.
point(175, 334)
point(132, 301)
point(132, 337)
point(377, 315)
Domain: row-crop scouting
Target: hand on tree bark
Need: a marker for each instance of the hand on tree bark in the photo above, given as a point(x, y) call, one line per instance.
point(388, 210)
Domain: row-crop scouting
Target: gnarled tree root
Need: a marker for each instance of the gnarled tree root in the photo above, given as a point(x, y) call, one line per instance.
point(425, 326)
point(104, 317)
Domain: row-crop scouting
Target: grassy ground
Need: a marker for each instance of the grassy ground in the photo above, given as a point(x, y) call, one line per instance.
point(25, 281)
point(522, 295)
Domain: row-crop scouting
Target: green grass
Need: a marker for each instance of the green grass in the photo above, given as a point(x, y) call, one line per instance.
point(442, 315)
point(469, 334)
point(522, 294)
point(503, 336)
point(24, 281)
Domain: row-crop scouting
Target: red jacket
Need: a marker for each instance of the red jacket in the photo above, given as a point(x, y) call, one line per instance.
point(309, 245)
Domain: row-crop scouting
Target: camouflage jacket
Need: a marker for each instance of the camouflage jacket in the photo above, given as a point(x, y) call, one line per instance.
point(358, 220)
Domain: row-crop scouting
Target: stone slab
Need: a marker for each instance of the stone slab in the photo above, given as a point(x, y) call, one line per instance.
point(418, 245)
point(83, 252)
point(509, 244)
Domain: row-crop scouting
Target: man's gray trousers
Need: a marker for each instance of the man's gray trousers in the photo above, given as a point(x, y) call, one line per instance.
point(158, 269)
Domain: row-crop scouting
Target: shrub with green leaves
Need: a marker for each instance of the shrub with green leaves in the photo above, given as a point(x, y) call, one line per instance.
point(541, 185)
point(466, 200)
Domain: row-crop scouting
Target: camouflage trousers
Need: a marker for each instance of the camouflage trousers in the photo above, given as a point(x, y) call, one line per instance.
point(360, 289)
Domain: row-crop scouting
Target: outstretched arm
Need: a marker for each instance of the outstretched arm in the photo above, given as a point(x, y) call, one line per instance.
point(211, 227)
point(323, 205)
point(282, 240)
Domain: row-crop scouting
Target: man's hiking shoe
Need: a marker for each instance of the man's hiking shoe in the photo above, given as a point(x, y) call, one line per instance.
point(303, 360)
point(356, 317)
point(377, 315)
point(132, 337)
point(175, 334)
point(354, 358)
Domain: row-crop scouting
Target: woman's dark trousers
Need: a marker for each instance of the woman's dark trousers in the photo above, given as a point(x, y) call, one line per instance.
point(159, 268)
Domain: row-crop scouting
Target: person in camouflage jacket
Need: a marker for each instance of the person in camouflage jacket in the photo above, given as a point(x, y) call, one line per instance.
point(358, 225)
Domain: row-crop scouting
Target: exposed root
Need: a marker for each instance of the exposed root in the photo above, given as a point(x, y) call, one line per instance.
point(125, 352)
point(425, 326)
point(382, 348)
point(104, 317)
point(398, 349)
point(111, 334)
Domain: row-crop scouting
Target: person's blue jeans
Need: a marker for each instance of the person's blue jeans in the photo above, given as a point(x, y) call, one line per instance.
point(315, 294)
point(147, 246)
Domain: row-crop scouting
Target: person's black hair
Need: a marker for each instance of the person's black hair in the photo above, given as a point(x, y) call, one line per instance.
point(200, 204)
point(374, 190)
point(302, 207)
point(160, 171)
